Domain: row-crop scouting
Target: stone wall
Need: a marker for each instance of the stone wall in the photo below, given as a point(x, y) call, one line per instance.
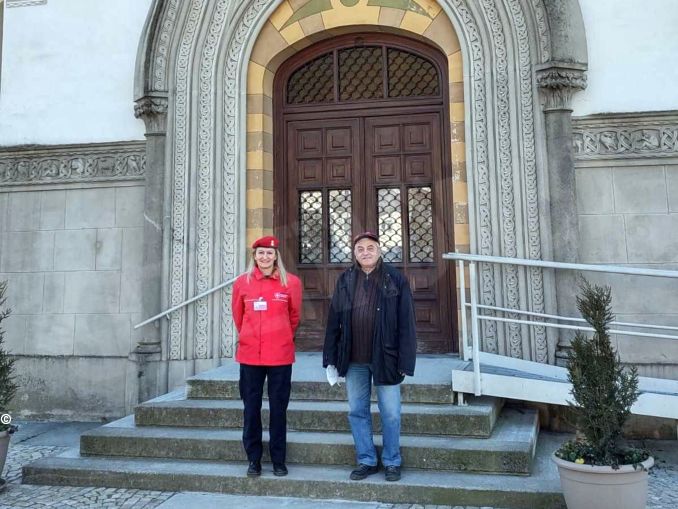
point(627, 199)
point(71, 245)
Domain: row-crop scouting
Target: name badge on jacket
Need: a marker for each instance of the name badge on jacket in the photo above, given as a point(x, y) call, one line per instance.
point(260, 305)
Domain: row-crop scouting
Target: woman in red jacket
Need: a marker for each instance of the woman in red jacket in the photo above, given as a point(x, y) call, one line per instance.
point(266, 310)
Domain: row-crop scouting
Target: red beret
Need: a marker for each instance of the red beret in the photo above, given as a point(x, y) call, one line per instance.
point(366, 235)
point(269, 241)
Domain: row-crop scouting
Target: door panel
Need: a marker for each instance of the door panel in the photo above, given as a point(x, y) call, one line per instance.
point(322, 159)
point(404, 210)
point(368, 172)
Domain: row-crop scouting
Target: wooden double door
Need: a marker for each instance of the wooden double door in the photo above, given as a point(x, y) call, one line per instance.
point(360, 144)
point(377, 173)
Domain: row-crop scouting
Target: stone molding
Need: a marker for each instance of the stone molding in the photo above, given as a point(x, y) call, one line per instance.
point(24, 3)
point(558, 82)
point(625, 136)
point(60, 164)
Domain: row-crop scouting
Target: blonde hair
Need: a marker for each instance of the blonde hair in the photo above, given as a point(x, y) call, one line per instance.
point(277, 265)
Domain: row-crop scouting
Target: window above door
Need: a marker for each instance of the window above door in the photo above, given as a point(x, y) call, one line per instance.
point(363, 73)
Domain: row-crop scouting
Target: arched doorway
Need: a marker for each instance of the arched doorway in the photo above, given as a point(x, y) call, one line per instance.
point(361, 142)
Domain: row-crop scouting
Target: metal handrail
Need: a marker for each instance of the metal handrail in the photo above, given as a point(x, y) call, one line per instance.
point(615, 269)
point(473, 354)
point(186, 302)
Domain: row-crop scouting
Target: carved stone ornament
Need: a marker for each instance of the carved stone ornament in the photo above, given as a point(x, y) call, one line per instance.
point(558, 82)
point(625, 136)
point(72, 163)
point(153, 111)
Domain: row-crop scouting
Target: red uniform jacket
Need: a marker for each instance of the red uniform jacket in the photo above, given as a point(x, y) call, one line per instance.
point(266, 337)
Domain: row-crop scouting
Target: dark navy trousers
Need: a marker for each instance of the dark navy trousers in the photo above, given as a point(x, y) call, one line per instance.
point(251, 392)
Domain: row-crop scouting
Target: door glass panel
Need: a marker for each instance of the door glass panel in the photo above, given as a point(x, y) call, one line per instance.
point(313, 82)
point(361, 74)
point(419, 208)
point(310, 227)
point(411, 75)
point(389, 215)
point(340, 226)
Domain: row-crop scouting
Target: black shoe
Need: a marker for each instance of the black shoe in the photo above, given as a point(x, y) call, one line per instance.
point(254, 470)
point(279, 469)
point(363, 471)
point(392, 473)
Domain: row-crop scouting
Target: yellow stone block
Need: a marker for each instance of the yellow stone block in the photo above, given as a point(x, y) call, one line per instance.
point(360, 14)
point(431, 7)
point(461, 234)
point(269, 44)
point(391, 17)
point(259, 122)
point(416, 23)
point(293, 33)
point(255, 78)
point(458, 152)
point(455, 67)
point(259, 199)
point(460, 192)
point(281, 14)
point(457, 112)
point(259, 160)
point(252, 235)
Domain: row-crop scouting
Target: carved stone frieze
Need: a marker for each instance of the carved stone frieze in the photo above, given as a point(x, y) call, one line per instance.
point(558, 82)
point(72, 163)
point(24, 3)
point(527, 125)
point(626, 136)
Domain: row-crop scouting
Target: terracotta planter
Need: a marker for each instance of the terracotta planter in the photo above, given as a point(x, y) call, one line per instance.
point(586, 486)
point(4, 445)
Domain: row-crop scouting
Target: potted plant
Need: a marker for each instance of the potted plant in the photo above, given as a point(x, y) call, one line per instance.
point(595, 470)
point(8, 386)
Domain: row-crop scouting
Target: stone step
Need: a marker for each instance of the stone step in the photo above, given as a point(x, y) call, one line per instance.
point(509, 450)
point(475, 419)
point(541, 490)
point(432, 382)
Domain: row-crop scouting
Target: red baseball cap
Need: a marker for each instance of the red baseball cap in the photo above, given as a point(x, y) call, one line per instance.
point(366, 235)
point(268, 241)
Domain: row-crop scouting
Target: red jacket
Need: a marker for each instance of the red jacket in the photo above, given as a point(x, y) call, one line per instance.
point(266, 336)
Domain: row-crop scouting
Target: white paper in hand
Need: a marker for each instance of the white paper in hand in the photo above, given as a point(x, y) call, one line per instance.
point(332, 375)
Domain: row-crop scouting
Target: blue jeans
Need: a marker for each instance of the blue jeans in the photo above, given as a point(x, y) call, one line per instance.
point(358, 388)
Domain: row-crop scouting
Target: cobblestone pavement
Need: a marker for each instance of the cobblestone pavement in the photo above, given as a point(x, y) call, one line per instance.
point(663, 492)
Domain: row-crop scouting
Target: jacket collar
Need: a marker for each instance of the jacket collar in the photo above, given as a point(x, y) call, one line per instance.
point(258, 275)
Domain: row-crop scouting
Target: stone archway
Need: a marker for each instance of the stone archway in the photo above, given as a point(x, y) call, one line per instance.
point(191, 78)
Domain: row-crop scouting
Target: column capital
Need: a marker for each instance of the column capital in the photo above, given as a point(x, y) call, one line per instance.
point(558, 82)
point(152, 109)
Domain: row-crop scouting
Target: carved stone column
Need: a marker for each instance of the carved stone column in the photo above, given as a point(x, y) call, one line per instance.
point(150, 349)
point(558, 82)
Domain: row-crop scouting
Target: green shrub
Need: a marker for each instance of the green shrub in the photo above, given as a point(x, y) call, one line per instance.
point(8, 386)
point(603, 390)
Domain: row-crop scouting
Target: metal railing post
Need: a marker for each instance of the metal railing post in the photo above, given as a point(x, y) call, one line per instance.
point(474, 327)
point(464, 346)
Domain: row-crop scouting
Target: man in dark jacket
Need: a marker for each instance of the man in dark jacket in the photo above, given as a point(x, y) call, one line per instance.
point(370, 337)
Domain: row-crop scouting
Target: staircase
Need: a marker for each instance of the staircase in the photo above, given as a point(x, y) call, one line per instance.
point(481, 454)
